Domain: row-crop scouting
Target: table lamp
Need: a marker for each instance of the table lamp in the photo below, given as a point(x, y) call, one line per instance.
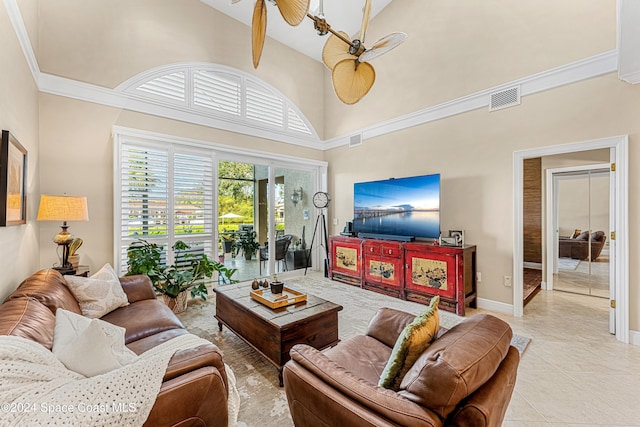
point(63, 208)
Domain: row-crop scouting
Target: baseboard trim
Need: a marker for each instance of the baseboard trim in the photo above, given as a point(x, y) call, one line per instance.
point(533, 265)
point(500, 307)
point(634, 337)
point(633, 78)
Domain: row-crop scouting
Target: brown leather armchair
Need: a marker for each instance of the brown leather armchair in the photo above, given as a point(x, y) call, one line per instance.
point(194, 389)
point(464, 378)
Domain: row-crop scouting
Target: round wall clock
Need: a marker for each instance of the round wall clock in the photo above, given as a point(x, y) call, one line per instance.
point(321, 199)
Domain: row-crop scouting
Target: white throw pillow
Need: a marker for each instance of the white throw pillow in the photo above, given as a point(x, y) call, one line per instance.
point(99, 294)
point(89, 346)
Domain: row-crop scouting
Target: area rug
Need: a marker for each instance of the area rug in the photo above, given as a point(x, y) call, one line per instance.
point(568, 263)
point(263, 402)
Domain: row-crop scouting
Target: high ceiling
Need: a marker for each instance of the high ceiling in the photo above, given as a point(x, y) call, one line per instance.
point(342, 15)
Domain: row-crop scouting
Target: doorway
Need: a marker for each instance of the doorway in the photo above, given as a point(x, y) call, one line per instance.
point(618, 248)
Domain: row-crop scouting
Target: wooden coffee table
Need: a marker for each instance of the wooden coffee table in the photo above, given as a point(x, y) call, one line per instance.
point(272, 332)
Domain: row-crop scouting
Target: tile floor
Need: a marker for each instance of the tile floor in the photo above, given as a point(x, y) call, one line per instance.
point(249, 270)
point(590, 278)
point(573, 372)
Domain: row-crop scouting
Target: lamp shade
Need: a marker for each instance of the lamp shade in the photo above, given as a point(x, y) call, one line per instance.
point(63, 208)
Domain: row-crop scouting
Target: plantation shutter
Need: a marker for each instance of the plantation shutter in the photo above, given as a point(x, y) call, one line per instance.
point(193, 202)
point(197, 91)
point(217, 91)
point(264, 106)
point(166, 194)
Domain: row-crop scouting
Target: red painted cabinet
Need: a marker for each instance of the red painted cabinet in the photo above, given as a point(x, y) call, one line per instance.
point(383, 267)
point(448, 271)
point(346, 259)
point(415, 271)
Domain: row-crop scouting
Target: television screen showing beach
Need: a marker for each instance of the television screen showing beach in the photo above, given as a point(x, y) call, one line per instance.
point(401, 206)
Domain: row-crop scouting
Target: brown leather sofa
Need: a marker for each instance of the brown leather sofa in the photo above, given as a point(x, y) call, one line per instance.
point(464, 378)
point(194, 389)
point(578, 247)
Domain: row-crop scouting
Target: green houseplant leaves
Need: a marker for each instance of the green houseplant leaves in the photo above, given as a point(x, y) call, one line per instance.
point(247, 242)
point(189, 273)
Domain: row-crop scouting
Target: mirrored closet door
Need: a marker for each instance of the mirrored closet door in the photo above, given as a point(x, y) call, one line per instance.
point(582, 232)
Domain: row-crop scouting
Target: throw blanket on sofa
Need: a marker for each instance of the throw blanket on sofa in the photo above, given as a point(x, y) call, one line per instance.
point(37, 389)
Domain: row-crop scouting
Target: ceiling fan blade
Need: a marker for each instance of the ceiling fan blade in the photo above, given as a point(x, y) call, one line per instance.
point(352, 80)
point(335, 50)
point(366, 12)
point(383, 45)
point(293, 11)
point(258, 31)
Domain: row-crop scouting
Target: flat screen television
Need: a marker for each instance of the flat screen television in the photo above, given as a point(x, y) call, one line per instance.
point(404, 207)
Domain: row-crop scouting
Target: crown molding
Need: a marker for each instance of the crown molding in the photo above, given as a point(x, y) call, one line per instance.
point(629, 40)
point(587, 68)
point(594, 66)
point(583, 69)
point(23, 37)
point(61, 86)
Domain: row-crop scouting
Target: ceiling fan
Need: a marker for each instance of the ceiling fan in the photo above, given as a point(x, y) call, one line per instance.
point(348, 60)
point(292, 11)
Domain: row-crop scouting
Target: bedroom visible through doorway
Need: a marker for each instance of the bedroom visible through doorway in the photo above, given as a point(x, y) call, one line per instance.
point(618, 148)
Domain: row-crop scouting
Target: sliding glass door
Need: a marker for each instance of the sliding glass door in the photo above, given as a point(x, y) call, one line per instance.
point(293, 218)
point(231, 204)
point(270, 206)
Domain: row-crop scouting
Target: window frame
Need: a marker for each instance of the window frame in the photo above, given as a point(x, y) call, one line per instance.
point(217, 151)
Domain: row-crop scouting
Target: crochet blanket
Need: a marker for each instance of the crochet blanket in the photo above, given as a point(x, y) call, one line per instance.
point(37, 389)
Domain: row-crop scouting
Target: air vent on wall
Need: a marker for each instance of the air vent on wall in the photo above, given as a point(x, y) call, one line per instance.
point(505, 98)
point(355, 140)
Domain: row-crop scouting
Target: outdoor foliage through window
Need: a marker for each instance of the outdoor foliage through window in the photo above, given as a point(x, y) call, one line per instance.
point(235, 194)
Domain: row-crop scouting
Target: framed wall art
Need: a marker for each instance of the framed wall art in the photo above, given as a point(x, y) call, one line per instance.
point(13, 181)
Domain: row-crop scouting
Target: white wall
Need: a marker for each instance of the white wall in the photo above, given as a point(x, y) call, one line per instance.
point(106, 43)
point(19, 114)
point(77, 134)
point(473, 152)
point(454, 49)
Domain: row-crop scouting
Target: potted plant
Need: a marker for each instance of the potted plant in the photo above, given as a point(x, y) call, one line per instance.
point(276, 286)
point(173, 281)
point(74, 257)
point(228, 241)
point(247, 242)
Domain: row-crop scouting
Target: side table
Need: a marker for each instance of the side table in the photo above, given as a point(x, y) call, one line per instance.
point(82, 270)
point(297, 258)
